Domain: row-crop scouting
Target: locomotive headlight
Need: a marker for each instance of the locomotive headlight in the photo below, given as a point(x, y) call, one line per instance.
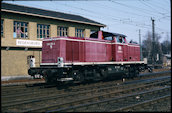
point(60, 61)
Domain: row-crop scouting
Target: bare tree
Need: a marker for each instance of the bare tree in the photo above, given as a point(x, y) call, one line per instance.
point(148, 50)
point(166, 45)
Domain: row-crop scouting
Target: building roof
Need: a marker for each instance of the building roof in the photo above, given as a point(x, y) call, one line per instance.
point(48, 14)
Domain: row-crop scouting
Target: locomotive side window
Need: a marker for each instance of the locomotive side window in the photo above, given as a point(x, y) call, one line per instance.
point(120, 39)
point(123, 41)
point(92, 31)
point(108, 38)
point(93, 34)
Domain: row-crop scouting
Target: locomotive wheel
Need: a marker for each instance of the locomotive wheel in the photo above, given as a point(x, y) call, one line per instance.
point(47, 80)
point(127, 73)
point(103, 73)
point(48, 76)
point(130, 72)
point(134, 72)
point(98, 76)
point(50, 80)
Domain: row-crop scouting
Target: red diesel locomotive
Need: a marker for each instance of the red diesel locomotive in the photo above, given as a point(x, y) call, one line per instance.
point(102, 55)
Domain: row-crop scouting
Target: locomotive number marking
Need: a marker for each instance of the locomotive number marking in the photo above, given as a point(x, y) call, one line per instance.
point(51, 44)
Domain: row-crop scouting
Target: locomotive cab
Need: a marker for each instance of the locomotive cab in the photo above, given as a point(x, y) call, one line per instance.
point(120, 39)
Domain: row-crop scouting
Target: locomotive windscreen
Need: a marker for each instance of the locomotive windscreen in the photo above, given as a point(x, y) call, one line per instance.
point(94, 35)
point(106, 35)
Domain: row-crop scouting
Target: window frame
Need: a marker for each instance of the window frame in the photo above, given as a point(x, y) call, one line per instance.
point(43, 31)
point(79, 32)
point(23, 29)
point(2, 28)
point(62, 31)
point(118, 40)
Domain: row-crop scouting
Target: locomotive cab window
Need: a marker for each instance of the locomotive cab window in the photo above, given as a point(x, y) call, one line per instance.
point(93, 34)
point(108, 38)
point(120, 39)
point(123, 41)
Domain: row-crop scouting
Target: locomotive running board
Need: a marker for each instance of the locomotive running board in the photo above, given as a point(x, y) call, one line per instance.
point(65, 79)
point(96, 63)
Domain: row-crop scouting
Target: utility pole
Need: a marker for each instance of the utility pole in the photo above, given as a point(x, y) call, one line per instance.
point(140, 42)
point(153, 42)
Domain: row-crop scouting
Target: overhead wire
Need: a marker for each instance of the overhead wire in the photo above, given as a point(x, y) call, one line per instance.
point(114, 19)
point(146, 11)
point(122, 21)
point(156, 5)
point(126, 12)
point(152, 8)
point(110, 16)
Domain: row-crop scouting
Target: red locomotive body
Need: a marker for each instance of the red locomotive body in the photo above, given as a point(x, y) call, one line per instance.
point(73, 49)
point(73, 58)
point(76, 50)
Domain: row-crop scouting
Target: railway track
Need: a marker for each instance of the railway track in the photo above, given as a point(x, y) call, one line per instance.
point(120, 103)
point(33, 91)
point(7, 90)
point(82, 91)
point(145, 105)
point(74, 97)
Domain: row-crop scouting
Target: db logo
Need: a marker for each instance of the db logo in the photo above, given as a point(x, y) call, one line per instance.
point(119, 49)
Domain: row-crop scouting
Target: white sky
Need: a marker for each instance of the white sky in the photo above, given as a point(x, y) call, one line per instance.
point(121, 16)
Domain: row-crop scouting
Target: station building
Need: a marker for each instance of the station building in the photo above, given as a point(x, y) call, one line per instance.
point(23, 28)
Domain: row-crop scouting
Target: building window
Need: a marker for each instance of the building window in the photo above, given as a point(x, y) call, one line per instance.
point(43, 31)
point(62, 31)
point(79, 32)
point(2, 27)
point(20, 30)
